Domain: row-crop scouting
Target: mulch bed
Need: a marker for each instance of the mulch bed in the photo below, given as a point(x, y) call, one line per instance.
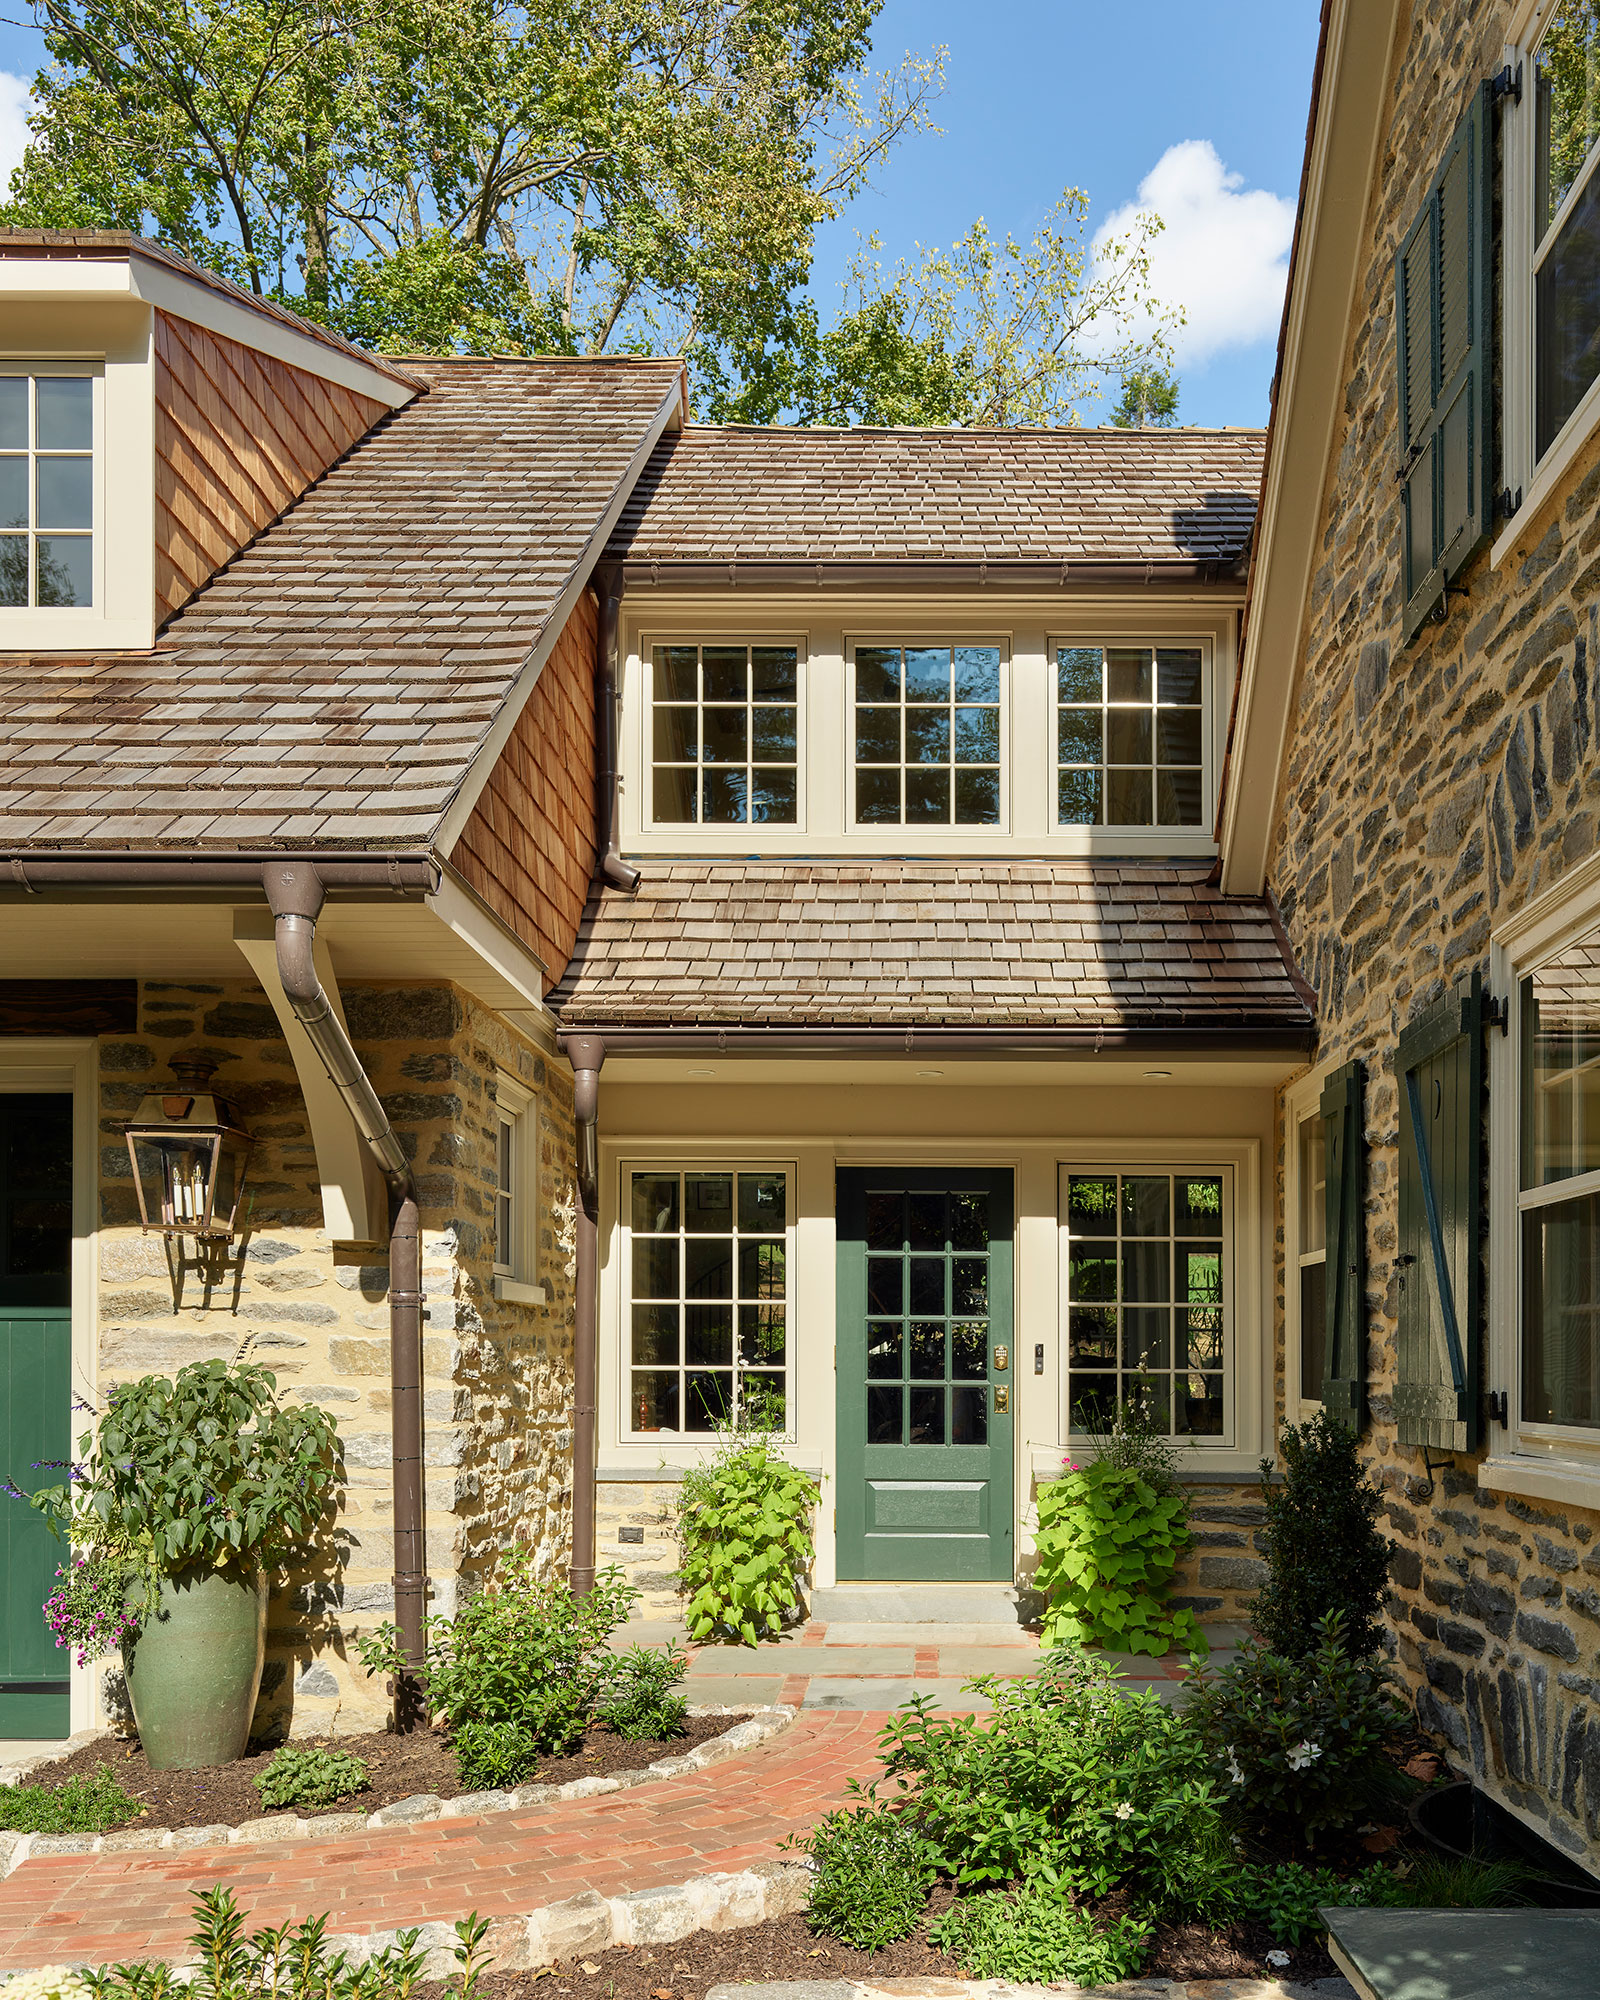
point(398, 1767)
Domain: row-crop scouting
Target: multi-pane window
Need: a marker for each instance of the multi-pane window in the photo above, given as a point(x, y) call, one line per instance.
point(927, 736)
point(1311, 1253)
point(708, 1300)
point(506, 1191)
point(724, 735)
point(1560, 1198)
point(46, 489)
point(1129, 736)
point(1566, 217)
point(927, 1317)
point(1146, 1299)
point(516, 1178)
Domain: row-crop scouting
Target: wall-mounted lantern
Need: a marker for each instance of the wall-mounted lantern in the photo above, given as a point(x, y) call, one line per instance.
point(189, 1153)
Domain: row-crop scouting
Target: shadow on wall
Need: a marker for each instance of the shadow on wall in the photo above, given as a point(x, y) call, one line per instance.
point(1218, 530)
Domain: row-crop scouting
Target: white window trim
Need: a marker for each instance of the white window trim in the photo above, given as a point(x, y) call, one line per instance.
point(945, 832)
point(518, 1107)
point(1538, 482)
point(1145, 839)
point(742, 831)
point(1301, 1100)
point(693, 1160)
point(1249, 1365)
point(1549, 1462)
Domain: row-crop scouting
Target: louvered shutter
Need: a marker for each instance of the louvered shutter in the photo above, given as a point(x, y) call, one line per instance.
point(1444, 350)
point(1439, 1065)
point(1344, 1387)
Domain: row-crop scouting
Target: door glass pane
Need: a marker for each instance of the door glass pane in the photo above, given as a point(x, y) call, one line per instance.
point(655, 1204)
point(927, 1417)
point(885, 1221)
point(708, 1401)
point(884, 1415)
point(883, 1348)
point(655, 1334)
point(927, 1350)
point(927, 1285)
point(969, 1416)
point(886, 1291)
point(969, 1221)
point(926, 1222)
point(708, 1267)
point(654, 1400)
point(969, 1349)
point(763, 1332)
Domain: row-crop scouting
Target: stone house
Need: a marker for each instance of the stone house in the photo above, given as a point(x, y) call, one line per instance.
point(1413, 781)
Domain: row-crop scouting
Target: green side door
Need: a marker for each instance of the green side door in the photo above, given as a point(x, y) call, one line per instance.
point(35, 1398)
point(925, 1376)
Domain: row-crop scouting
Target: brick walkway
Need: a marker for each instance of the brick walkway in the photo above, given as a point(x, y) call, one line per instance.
point(101, 1908)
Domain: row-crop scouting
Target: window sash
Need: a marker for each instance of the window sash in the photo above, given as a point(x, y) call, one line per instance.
point(77, 539)
point(940, 724)
point(714, 781)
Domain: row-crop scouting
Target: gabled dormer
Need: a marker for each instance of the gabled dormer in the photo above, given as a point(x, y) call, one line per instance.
point(153, 419)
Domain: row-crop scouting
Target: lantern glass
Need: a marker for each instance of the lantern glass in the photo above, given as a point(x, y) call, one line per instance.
point(188, 1158)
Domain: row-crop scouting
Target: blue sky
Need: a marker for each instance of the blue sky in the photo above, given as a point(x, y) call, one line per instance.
point(1201, 104)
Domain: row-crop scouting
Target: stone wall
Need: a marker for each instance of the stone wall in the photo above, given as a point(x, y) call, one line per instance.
point(496, 1377)
point(1431, 789)
point(636, 1528)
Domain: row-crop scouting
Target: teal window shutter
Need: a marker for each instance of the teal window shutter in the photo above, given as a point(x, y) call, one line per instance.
point(1439, 1068)
point(1444, 354)
point(1344, 1387)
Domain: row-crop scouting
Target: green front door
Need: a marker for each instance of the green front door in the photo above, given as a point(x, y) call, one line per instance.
point(925, 1382)
point(35, 1398)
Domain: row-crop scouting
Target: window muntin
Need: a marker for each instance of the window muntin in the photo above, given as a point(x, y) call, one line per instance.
point(46, 490)
point(1130, 736)
point(1560, 1187)
point(708, 1299)
point(927, 735)
point(1147, 1294)
point(1566, 221)
point(724, 735)
point(1310, 1278)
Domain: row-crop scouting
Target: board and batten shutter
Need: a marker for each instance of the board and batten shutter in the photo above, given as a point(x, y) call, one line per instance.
point(1344, 1386)
point(1439, 1068)
point(1444, 352)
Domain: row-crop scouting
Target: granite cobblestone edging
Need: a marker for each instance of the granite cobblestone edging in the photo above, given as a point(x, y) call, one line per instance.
point(15, 1848)
point(1005, 1989)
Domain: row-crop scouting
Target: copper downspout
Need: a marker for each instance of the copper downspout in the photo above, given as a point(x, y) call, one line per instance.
point(614, 871)
point(294, 891)
point(586, 1053)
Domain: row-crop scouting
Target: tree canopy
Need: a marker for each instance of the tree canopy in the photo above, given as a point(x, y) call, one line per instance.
point(573, 176)
point(1149, 396)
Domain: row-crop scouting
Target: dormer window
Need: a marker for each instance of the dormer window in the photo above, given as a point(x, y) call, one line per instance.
point(46, 488)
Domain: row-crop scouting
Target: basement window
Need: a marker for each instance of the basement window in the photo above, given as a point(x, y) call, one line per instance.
point(47, 430)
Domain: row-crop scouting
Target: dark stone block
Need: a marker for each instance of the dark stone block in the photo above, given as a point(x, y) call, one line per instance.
point(1372, 676)
point(1220, 1539)
point(1198, 1605)
point(1401, 1518)
point(1437, 1591)
point(1425, 1622)
point(1405, 1567)
point(1535, 1516)
point(1241, 1516)
point(428, 1014)
point(1585, 1602)
point(120, 1057)
point(432, 1068)
point(1491, 1603)
point(1444, 1675)
point(245, 1021)
point(414, 1107)
point(1545, 1588)
point(1465, 1640)
point(1544, 1635)
point(1554, 1556)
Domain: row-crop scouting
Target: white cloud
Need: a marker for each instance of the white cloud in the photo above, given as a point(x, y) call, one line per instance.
point(1223, 255)
point(16, 101)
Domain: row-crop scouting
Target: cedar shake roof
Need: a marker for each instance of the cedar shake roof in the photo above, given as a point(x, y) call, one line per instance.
point(710, 494)
point(1098, 944)
point(335, 682)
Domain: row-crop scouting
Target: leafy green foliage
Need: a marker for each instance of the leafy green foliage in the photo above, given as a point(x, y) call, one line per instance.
point(1149, 398)
point(1321, 1542)
point(1298, 1741)
point(1069, 1783)
point(1037, 1938)
point(310, 1776)
point(641, 1702)
point(744, 1527)
point(1109, 1542)
point(493, 1755)
point(1287, 1898)
point(207, 1470)
point(522, 1657)
point(94, 1804)
point(873, 1876)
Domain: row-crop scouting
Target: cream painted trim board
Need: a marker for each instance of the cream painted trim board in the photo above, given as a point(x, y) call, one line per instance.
point(1300, 1101)
point(43, 1063)
point(451, 827)
point(1309, 398)
point(461, 909)
point(355, 1198)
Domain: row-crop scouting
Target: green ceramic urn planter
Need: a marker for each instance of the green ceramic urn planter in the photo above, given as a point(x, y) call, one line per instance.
point(194, 1669)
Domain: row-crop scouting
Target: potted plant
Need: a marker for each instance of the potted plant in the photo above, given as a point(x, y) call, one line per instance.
point(189, 1495)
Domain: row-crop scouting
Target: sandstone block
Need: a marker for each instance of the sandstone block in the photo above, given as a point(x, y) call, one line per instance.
point(60, 1843)
point(1233, 1572)
point(730, 1902)
point(587, 1788)
point(475, 1802)
point(420, 1805)
point(656, 1916)
point(333, 1826)
point(785, 1887)
point(133, 1839)
point(351, 1356)
point(269, 1828)
point(14, 1850)
point(532, 1795)
point(201, 1836)
point(570, 1929)
point(670, 1767)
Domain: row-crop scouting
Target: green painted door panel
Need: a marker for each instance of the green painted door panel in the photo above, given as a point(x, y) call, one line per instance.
point(924, 1315)
point(35, 1398)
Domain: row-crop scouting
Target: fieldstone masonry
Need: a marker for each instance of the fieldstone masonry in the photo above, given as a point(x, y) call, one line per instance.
point(1430, 790)
point(496, 1377)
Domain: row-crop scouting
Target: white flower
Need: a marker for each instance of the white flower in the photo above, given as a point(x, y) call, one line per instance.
point(50, 1982)
point(1277, 1958)
point(1304, 1754)
point(1233, 1767)
point(1124, 1811)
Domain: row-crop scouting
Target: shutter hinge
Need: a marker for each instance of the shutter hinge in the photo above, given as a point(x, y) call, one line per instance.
point(1499, 1411)
point(1410, 460)
point(1496, 1013)
point(1506, 502)
point(1508, 83)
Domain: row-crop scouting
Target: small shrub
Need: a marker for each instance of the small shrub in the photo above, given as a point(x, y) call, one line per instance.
point(493, 1755)
point(1287, 1898)
point(873, 1877)
point(1321, 1542)
point(1298, 1741)
point(744, 1528)
point(1037, 1938)
point(522, 1651)
point(95, 1804)
point(641, 1702)
point(297, 1776)
point(1109, 1543)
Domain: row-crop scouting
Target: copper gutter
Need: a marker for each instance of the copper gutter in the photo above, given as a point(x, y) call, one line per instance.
point(826, 1039)
point(586, 1053)
point(33, 869)
point(1058, 572)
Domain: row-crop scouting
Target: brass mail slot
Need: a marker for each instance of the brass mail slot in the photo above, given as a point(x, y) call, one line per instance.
point(1002, 1401)
point(1002, 1360)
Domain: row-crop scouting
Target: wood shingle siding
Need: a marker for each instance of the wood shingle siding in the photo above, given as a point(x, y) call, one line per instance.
point(529, 847)
point(239, 435)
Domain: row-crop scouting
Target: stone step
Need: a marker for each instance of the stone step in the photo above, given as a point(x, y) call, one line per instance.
point(921, 1604)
